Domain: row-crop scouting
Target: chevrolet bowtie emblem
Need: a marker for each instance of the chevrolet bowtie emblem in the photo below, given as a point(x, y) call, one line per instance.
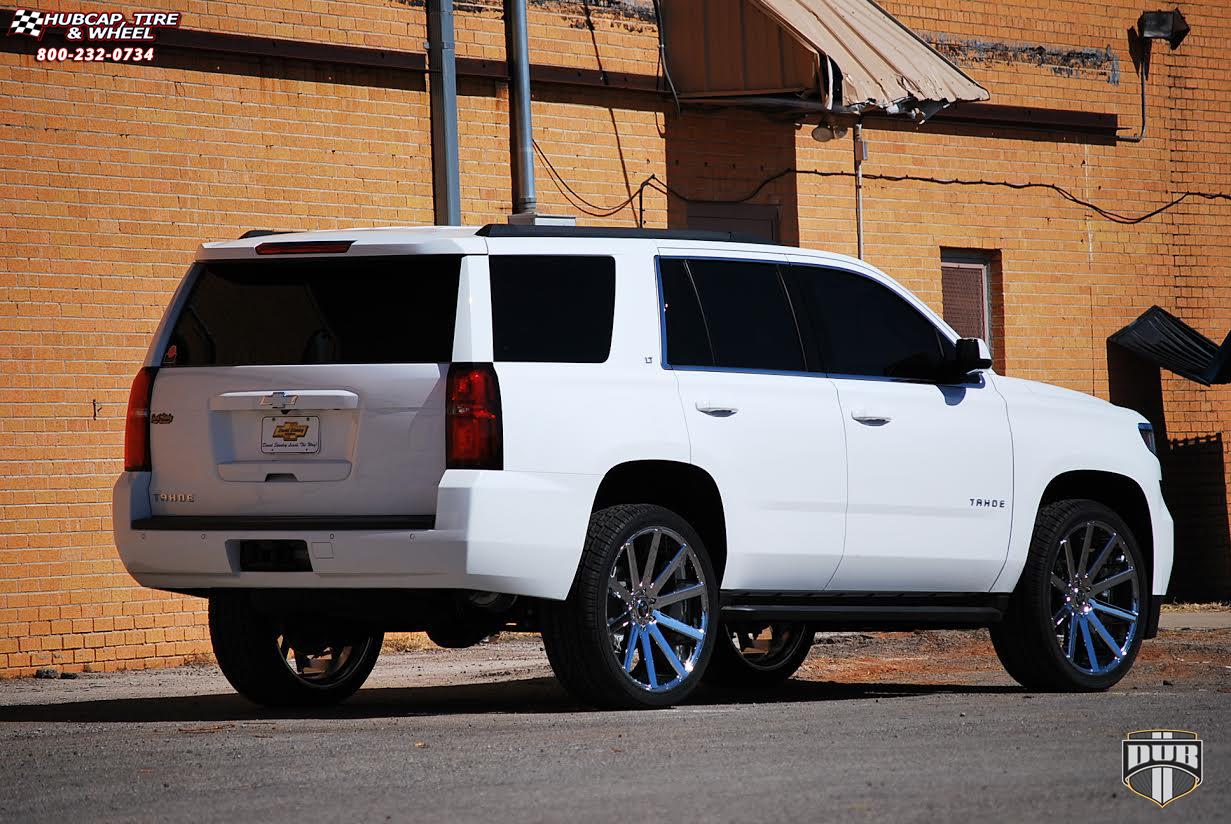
point(279, 400)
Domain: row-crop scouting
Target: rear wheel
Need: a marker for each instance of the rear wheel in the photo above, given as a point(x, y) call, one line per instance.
point(758, 654)
point(288, 662)
point(637, 629)
point(1074, 622)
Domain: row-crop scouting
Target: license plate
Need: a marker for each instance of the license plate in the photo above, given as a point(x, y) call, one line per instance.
point(297, 435)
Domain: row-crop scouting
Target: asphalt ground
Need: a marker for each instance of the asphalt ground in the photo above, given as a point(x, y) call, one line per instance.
point(876, 727)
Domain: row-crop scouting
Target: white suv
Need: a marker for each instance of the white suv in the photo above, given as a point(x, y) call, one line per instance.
point(674, 454)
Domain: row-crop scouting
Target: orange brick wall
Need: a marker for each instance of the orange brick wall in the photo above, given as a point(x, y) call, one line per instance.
point(112, 174)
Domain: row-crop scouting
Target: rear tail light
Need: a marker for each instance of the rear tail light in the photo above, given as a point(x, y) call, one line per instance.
point(137, 423)
point(472, 415)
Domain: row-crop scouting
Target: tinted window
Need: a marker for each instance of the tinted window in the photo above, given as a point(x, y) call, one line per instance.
point(552, 308)
point(747, 314)
point(863, 328)
point(688, 343)
point(308, 311)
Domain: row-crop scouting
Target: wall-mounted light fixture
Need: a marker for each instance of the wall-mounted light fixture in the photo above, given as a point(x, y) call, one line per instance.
point(1163, 25)
point(1152, 25)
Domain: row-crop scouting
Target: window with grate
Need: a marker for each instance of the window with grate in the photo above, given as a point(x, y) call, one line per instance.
point(970, 295)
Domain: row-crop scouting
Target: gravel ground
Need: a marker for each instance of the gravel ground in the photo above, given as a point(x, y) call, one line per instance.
point(878, 726)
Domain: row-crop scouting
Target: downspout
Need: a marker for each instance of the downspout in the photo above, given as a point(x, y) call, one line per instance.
point(442, 68)
point(521, 135)
point(861, 154)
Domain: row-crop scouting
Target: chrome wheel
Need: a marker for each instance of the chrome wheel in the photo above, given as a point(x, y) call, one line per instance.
point(1095, 598)
point(657, 609)
point(321, 662)
point(767, 646)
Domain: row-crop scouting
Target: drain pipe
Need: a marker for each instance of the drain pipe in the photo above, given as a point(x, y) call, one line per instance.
point(861, 154)
point(442, 68)
point(521, 134)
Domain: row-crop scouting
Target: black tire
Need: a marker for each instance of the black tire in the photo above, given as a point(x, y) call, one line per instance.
point(731, 667)
point(575, 632)
point(1027, 640)
point(246, 644)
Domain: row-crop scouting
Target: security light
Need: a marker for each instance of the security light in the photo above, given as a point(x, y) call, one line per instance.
point(1163, 25)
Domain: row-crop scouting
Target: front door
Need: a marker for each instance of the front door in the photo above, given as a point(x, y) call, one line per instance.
point(929, 460)
point(767, 431)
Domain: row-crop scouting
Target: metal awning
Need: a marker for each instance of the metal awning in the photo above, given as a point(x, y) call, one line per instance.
point(882, 62)
point(1163, 339)
point(833, 55)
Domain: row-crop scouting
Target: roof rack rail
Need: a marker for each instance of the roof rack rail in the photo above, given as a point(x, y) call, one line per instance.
point(510, 230)
point(264, 232)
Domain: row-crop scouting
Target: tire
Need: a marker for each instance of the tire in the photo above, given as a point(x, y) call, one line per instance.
point(608, 667)
point(1041, 641)
point(737, 664)
point(253, 649)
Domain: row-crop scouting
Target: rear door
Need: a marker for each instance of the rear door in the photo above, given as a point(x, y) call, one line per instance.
point(306, 386)
point(767, 431)
point(930, 464)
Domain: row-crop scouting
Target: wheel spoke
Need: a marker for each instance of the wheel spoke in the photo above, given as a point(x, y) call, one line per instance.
point(1085, 549)
point(633, 575)
point(631, 648)
point(678, 626)
point(1068, 559)
point(1103, 556)
point(619, 622)
point(1088, 640)
point(621, 591)
point(1116, 612)
point(647, 655)
point(1058, 584)
point(1105, 635)
point(1070, 648)
point(668, 653)
point(1114, 580)
point(648, 574)
point(1058, 618)
point(682, 594)
point(666, 574)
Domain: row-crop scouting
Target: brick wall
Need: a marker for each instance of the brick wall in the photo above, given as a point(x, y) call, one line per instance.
point(112, 174)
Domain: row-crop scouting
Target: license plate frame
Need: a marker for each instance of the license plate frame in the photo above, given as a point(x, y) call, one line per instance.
point(290, 434)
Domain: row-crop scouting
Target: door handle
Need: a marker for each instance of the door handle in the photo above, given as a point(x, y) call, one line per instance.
point(718, 410)
point(871, 418)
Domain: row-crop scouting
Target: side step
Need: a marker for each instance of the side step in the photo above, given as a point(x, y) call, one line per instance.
point(868, 610)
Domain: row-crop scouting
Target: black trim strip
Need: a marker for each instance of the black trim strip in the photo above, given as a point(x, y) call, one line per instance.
point(265, 523)
point(868, 610)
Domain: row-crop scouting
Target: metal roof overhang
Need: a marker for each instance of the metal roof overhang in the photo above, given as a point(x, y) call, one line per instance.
point(727, 49)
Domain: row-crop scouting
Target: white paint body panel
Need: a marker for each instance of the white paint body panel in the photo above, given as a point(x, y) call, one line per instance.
point(813, 499)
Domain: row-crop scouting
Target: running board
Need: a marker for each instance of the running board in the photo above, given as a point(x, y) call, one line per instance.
point(867, 610)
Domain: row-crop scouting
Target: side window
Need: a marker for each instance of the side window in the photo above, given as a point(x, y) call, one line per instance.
point(688, 342)
point(747, 315)
point(556, 309)
point(864, 328)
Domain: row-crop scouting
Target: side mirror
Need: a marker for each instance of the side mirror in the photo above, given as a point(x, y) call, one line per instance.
point(971, 354)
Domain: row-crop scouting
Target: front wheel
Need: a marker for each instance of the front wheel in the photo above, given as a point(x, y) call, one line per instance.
point(288, 662)
point(1074, 622)
point(637, 630)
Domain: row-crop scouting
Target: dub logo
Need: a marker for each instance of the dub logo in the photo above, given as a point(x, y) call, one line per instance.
point(1162, 765)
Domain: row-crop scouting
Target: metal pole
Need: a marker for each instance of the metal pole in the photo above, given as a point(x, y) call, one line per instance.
point(521, 133)
point(860, 156)
point(446, 182)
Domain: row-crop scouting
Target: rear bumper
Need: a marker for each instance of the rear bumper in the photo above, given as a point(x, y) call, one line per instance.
point(516, 533)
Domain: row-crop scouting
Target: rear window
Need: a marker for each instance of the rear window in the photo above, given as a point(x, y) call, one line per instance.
point(320, 311)
point(549, 308)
